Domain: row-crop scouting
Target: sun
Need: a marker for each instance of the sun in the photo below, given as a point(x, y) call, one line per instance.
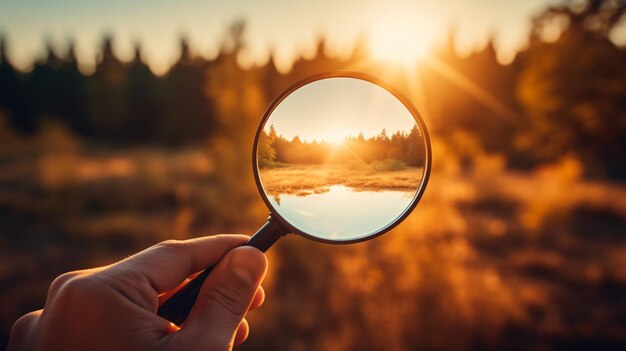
point(334, 137)
point(400, 40)
point(338, 142)
point(335, 140)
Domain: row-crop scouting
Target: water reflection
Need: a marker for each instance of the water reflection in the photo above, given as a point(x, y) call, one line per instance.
point(342, 213)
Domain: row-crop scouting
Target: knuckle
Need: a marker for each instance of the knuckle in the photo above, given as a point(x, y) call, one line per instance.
point(59, 281)
point(171, 246)
point(77, 286)
point(23, 325)
point(177, 249)
point(227, 298)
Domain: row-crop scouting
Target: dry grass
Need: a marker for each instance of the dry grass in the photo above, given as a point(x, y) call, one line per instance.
point(498, 258)
point(307, 179)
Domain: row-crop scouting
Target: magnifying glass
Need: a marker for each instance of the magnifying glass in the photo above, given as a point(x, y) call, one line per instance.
point(338, 157)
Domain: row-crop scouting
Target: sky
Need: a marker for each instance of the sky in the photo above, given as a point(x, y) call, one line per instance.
point(334, 108)
point(285, 28)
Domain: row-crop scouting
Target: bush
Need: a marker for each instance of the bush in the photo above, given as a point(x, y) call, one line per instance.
point(356, 164)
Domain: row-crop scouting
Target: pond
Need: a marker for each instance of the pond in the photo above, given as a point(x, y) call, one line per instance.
point(342, 213)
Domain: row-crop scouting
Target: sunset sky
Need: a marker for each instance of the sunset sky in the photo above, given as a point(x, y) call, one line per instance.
point(286, 27)
point(331, 109)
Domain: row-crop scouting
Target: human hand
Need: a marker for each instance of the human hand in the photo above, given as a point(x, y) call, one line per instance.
point(114, 307)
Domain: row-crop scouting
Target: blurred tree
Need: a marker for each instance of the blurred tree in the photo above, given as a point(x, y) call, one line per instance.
point(12, 92)
point(44, 96)
point(108, 104)
point(599, 17)
point(190, 115)
point(238, 102)
point(472, 94)
point(573, 87)
point(320, 62)
point(237, 93)
point(145, 100)
point(73, 97)
point(272, 81)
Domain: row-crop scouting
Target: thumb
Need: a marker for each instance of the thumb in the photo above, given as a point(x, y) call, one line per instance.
point(225, 296)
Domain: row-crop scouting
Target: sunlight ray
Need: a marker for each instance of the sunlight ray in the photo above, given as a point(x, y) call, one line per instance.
point(353, 153)
point(470, 87)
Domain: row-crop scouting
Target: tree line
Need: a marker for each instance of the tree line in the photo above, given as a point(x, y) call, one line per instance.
point(124, 102)
point(562, 95)
point(405, 148)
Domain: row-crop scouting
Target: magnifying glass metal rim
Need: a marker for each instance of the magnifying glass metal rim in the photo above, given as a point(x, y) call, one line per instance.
point(274, 214)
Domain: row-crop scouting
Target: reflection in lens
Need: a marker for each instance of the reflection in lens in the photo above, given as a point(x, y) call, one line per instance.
point(341, 158)
point(314, 215)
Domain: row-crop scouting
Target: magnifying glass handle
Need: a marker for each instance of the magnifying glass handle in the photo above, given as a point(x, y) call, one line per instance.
point(177, 308)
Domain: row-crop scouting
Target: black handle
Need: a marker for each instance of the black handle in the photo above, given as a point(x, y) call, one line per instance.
point(177, 308)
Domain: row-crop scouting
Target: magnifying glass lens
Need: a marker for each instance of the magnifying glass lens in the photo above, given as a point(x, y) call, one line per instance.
point(340, 159)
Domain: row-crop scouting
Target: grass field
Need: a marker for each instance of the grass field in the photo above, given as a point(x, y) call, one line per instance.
point(496, 259)
point(307, 179)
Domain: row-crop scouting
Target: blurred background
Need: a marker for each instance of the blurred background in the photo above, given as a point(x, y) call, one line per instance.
point(123, 124)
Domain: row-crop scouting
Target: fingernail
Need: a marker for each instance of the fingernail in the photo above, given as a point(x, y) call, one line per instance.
point(245, 263)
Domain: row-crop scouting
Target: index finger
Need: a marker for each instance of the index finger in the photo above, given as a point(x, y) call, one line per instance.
point(165, 265)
